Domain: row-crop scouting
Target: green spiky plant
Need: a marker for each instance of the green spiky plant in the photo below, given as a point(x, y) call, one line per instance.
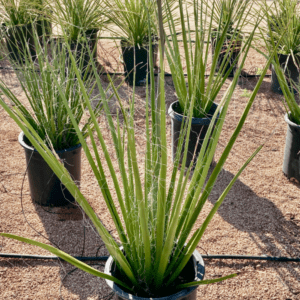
point(22, 12)
point(237, 13)
point(282, 26)
point(158, 214)
point(20, 20)
point(289, 100)
point(15, 12)
point(130, 20)
point(76, 17)
point(43, 108)
point(201, 89)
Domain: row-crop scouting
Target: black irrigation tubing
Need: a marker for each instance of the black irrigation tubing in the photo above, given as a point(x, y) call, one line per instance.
point(123, 38)
point(244, 74)
point(251, 257)
point(45, 257)
point(208, 256)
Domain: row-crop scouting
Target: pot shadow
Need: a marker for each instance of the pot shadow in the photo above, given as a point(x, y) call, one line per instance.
point(274, 100)
point(273, 233)
point(74, 282)
point(71, 231)
point(293, 181)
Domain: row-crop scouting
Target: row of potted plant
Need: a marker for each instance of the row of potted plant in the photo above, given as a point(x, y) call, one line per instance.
point(80, 21)
point(291, 161)
point(156, 222)
point(83, 19)
point(128, 20)
point(281, 27)
point(282, 30)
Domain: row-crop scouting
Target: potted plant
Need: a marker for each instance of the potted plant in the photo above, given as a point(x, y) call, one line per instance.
point(283, 30)
point(199, 89)
point(157, 215)
point(131, 24)
point(80, 21)
point(291, 160)
point(46, 114)
point(237, 14)
point(17, 19)
point(43, 25)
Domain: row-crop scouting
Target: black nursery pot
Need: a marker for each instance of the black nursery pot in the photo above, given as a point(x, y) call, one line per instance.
point(291, 160)
point(236, 50)
point(199, 128)
point(17, 40)
point(92, 36)
point(291, 72)
point(81, 50)
point(45, 187)
point(139, 56)
point(193, 271)
point(43, 27)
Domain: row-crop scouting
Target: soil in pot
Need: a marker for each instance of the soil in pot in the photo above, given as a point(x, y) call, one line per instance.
point(18, 38)
point(193, 271)
point(139, 57)
point(199, 128)
point(230, 57)
point(291, 72)
point(291, 161)
point(45, 187)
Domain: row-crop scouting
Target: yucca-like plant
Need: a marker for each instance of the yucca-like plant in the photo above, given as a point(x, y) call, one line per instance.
point(290, 167)
point(17, 12)
point(23, 12)
point(282, 26)
point(130, 19)
point(200, 88)
point(236, 13)
point(21, 18)
point(288, 89)
point(43, 108)
point(156, 223)
point(76, 17)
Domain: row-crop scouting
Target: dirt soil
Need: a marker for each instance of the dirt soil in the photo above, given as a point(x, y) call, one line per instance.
point(260, 216)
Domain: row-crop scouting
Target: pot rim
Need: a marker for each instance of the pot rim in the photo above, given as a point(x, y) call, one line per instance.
point(289, 122)
point(126, 44)
point(12, 26)
point(195, 121)
point(199, 270)
point(287, 56)
point(25, 146)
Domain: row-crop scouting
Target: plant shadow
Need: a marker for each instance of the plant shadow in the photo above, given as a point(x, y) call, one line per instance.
point(274, 100)
point(71, 231)
point(273, 233)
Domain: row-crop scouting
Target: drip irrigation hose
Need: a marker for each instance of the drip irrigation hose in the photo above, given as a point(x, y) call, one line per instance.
point(27, 256)
point(244, 74)
point(250, 257)
point(208, 256)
